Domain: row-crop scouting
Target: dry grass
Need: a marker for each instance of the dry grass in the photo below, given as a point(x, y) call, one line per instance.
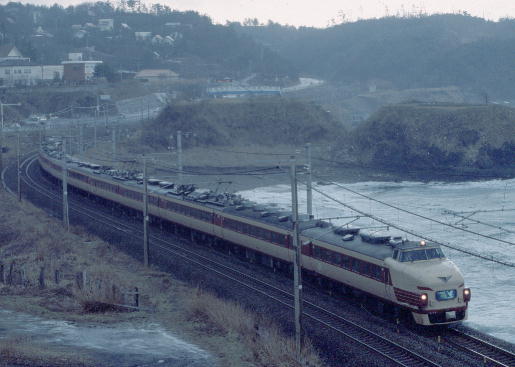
point(268, 345)
point(24, 351)
point(44, 243)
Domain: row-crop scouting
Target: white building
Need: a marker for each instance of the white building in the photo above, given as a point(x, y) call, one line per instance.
point(142, 36)
point(106, 25)
point(75, 56)
point(17, 70)
point(23, 73)
point(156, 75)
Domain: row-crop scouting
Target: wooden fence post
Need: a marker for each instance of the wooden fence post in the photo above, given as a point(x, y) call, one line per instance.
point(84, 279)
point(10, 275)
point(115, 293)
point(42, 278)
point(79, 280)
point(136, 297)
point(57, 276)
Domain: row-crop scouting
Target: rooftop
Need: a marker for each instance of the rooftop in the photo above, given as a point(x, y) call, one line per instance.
point(156, 73)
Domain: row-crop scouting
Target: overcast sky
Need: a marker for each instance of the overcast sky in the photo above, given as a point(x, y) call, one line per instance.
point(320, 12)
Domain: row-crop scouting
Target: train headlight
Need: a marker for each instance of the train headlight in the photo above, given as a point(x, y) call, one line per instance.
point(424, 300)
point(467, 294)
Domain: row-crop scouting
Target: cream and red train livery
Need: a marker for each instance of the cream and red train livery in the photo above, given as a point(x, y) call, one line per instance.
point(408, 275)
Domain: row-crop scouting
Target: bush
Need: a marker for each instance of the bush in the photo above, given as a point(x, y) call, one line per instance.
point(270, 347)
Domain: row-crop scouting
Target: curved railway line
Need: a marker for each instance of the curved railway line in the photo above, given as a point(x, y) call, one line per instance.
point(491, 355)
point(390, 350)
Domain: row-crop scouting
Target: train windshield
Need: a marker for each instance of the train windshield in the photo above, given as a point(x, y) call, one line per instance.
point(421, 254)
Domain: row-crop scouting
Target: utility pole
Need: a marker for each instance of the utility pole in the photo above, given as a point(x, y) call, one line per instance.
point(2, 132)
point(66, 218)
point(44, 136)
point(41, 138)
point(148, 111)
point(18, 165)
point(81, 138)
point(179, 154)
point(145, 213)
point(71, 136)
point(309, 186)
point(97, 110)
point(95, 134)
point(114, 142)
point(297, 266)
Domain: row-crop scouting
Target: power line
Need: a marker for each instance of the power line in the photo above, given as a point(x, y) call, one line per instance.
point(255, 172)
point(251, 153)
point(409, 231)
point(422, 216)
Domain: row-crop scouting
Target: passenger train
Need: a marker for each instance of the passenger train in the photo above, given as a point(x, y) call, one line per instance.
point(409, 277)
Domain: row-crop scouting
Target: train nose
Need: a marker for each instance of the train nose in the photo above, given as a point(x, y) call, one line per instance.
point(434, 277)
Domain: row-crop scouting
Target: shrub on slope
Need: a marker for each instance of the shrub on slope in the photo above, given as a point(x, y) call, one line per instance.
point(430, 136)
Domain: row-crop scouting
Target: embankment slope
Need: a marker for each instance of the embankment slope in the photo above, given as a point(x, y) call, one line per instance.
point(425, 136)
point(260, 121)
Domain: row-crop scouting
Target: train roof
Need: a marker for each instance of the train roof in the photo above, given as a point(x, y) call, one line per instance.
point(373, 242)
point(354, 242)
point(270, 215)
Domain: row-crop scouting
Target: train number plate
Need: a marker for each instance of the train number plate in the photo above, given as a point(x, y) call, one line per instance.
point(450, 315)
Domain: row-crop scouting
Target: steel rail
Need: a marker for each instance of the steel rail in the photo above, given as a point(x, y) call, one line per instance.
point(491, 355)
point(394, 352)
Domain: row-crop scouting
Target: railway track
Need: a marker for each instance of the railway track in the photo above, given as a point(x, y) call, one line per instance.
point(490, 354)
point(379, 344)
point(390, 350)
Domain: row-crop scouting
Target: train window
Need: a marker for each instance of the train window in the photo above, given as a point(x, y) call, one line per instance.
point(414, 255)
point(153, 200)
point(434, 253)
point(336, 258)
point(346, 262)
point(324, 255)
point(395, 254)
point(317, 252)
point(375, 271)
point(278, 238)
point(356, 265)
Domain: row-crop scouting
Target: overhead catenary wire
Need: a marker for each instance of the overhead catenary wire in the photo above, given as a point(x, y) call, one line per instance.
point(409, 231)
point(276, 170)
point(422, 216)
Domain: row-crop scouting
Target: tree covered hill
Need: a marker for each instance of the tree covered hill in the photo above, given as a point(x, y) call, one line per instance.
point(403, 52)
point(258, 121)
point(429, 136)
point(194, 46)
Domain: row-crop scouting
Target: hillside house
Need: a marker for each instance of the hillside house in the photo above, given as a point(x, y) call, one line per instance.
point(11, 53)
point(143, 36)
point(17, 70)
point(75, 56)
point(156, 75)
point(79, 70)
point(23, 73)
point(106, 25)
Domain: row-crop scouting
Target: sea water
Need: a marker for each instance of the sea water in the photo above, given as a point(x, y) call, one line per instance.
point(489, 206)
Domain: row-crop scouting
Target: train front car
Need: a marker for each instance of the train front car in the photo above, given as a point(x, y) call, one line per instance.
point(428, 283)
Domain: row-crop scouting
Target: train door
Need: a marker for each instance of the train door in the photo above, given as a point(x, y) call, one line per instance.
point(387, 280)
point(218, 222)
